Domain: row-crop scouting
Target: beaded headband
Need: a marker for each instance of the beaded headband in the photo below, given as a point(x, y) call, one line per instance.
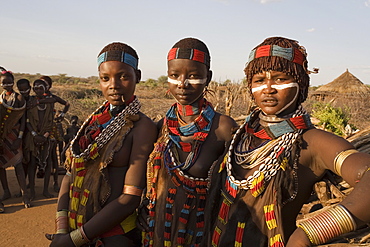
point(6, 71)
point(119, 56)
point(292, 54)
point(187, 53)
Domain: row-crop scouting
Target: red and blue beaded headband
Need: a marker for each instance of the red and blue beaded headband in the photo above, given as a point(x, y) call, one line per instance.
point(187, 53)
point(292, 54)
point(3, 72)
point(119, 56)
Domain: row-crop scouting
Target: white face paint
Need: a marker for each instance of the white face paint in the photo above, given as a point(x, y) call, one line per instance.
point(7, 85)
point(188, 81)
point(277, 87)
point(280, 87)
point(25, 91)
point(39, 86)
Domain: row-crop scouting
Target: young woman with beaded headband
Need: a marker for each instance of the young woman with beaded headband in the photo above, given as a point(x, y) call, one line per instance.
point(12, 124)
point(193, 136)
point(275, 158)
point(106, 161)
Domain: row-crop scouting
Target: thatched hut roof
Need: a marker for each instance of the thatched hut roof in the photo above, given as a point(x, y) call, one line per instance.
point(345, 84)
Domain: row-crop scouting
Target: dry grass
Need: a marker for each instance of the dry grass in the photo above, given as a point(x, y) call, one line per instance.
point(86, 97)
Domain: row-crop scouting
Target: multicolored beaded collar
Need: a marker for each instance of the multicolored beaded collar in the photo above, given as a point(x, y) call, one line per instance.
point(199, 129)
point(187, 53)
point(275, 157)
point(91, 151)
point(292, 54)
point(275, 130)
point(119, 56)
point(189, 110)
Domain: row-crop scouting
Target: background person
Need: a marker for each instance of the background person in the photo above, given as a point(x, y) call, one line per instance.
point(12, 124)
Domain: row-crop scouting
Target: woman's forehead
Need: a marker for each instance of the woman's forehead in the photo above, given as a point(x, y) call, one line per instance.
point(186, 64)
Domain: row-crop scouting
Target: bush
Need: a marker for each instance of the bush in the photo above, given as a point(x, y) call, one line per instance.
point(334, 119)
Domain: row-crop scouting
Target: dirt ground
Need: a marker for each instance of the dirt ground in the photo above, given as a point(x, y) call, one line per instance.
point(20, 226)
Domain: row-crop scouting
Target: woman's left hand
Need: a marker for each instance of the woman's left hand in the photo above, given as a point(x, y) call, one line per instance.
point(60, 240)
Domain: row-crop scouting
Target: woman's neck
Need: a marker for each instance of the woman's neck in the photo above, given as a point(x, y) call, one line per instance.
point(266, 120)
point(190, 110)
point(9, 92)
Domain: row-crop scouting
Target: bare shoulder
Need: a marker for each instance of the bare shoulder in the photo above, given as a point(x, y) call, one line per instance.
point(319, 148)
point(321, 139)
point(145, 126)
point(226, 126)
point(145, 120)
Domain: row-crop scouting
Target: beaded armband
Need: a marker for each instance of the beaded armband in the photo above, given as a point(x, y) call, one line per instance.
point(132, 190)
point(328, 224)
point(340, 158)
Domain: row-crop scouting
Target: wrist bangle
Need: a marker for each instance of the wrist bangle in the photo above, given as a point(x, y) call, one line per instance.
point(20, 135)
point(77, 238)
point(84, 234)
point(61, 222)
point(33, 133)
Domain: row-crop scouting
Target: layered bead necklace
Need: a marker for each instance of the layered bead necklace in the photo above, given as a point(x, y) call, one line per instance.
point(92, 149)
point(198, 129)
point(9, 105)
point(10, 101)
point(271, 155)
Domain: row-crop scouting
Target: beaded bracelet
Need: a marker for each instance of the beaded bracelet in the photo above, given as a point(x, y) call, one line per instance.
point(328, 224)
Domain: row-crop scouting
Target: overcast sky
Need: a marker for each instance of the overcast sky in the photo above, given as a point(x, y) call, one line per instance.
point(64, 37)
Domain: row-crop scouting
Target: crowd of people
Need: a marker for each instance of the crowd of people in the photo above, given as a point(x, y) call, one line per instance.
point(30, 134)
point(194, 178)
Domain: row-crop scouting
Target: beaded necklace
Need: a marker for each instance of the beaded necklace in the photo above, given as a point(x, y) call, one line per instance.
point(41, 108)
point(195, 191)
point(9, 105)
point(91, 152)
point(270, 156)
point(96, 124)
point(188, 110)
point(10, 101)
point(199, 129)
